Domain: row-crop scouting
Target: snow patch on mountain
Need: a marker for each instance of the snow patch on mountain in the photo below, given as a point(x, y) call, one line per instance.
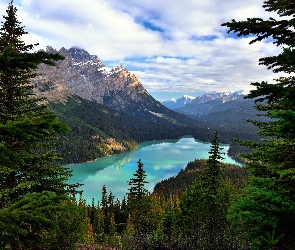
point(178, 103)
point(187, 99)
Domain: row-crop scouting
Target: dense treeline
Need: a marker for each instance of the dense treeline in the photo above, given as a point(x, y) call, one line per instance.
point(186, 177)
point(92, 124)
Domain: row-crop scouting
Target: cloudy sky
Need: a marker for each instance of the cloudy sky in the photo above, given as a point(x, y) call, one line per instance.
point(174, 47)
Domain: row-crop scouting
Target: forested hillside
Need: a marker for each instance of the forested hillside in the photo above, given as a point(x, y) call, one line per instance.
point(227, 113)
point(178, 184)
point(232, 123)
point(97, 130)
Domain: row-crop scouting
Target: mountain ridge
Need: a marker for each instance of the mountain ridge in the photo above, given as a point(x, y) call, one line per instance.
point(86, 76)
point(108, 110)
point(178, 103)
point(187, 102)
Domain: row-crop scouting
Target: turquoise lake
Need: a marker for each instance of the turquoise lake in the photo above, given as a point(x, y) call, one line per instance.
point(161, 160)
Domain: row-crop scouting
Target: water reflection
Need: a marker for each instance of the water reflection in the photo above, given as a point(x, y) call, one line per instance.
point(161, 159)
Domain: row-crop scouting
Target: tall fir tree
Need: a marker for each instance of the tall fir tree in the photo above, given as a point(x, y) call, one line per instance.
point(139, 207)
point(28, 130)
point(213, 172)
point(137, 190)
point(204, 206)
point(266, 207)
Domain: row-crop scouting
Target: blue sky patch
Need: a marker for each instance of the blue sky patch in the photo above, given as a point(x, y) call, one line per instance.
point(152, 27)
point(204, 38)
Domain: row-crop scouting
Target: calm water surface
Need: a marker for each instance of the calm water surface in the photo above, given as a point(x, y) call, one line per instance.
point(161, 160)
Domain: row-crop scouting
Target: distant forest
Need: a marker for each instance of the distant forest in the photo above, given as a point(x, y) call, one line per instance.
point(88, 119)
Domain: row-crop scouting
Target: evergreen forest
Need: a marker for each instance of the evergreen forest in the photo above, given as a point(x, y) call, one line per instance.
point(88, 119)
point(208, 205)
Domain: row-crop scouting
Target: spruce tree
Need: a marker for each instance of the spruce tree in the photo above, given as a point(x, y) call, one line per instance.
point(137, 189)
point(139, 207)
point(104, 199)
point(204, 206)
point(28, 130)
point(213, 172)
point(266, 207)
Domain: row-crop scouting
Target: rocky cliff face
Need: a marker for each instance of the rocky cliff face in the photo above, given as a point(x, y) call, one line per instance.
point(85, 75)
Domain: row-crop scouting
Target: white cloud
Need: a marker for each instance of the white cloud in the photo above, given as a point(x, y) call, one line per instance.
point(170, 45)
point(221, 65)
point(90, 24)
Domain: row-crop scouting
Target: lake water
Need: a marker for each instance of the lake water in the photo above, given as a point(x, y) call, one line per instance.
point(161, 160)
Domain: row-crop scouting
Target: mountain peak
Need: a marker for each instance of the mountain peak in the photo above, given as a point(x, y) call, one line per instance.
point(189, 97)
point(86, 76)
point(79, 54)
point(51, 50)
point(177, 103)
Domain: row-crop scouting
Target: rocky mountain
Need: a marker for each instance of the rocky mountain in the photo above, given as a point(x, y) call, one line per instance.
point(108, 110)
point(86, 76)
point(223, 96)
point(178, 103)
point(212, 102)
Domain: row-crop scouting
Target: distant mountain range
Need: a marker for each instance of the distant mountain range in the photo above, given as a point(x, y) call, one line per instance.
point(178, 103)
point(224, 112)
point(226, 109)
point(192, 105)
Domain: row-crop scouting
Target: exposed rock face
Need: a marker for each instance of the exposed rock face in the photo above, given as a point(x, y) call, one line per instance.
point(53, 91)
point(85, 75)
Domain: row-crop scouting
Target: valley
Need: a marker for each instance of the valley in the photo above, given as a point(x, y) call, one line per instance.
point(110, 112)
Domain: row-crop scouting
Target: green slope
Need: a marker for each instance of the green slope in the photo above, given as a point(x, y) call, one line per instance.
point(93, 125)
point(185, 178)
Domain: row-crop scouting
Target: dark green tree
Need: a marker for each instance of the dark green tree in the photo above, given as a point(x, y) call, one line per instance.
point(203, 217)
point(139, 207)
point(28, 130)
point(104, 198)
point(271, 191)
point(41, 221)
point(213, 172)
point(137, 190)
